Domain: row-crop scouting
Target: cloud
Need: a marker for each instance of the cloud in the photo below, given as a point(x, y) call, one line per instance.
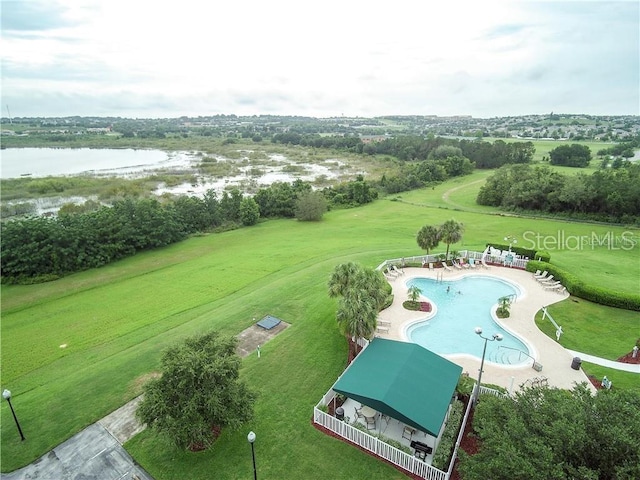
point(33, 15)
point(480, 58)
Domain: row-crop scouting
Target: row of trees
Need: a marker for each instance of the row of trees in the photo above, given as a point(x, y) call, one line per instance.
point(419, 148)
point(549, 433)
point(94, 235)
point(430, 236)
point(607, 194)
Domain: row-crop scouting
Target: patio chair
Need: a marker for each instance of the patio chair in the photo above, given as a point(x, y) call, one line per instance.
point(545, 279)
point(430, 266)
point(540, 276)
point(551, 286)
point(446, 267)
point(371, 422)
point(472, 263)
point(358, 412)
point(456, 264)
point(407, 432)
point(396, 270)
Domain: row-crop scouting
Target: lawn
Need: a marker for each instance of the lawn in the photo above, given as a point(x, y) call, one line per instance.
point(115, 322)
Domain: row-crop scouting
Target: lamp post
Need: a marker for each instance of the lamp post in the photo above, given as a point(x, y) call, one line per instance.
point(7, 396)
point(495, 336)
point(252, 438)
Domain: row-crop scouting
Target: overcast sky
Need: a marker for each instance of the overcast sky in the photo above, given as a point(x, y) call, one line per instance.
point(139, 58)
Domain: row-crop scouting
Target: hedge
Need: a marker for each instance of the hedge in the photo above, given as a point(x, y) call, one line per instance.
point(578, 288)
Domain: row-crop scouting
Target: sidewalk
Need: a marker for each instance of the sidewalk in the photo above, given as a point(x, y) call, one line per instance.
point(625, 367)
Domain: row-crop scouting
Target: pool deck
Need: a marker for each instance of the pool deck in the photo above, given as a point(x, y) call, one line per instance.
point(554, 358)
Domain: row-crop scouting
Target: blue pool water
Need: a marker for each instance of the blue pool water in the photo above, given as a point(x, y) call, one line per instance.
point(464, 307)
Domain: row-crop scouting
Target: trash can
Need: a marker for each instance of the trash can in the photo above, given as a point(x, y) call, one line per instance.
point(340, 413)
point(575, 363)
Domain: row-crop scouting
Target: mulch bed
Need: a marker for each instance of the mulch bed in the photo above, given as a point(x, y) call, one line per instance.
point(417, 306)
point(425, 307)
point(628, 358)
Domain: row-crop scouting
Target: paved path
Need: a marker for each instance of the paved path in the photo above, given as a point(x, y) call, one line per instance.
point(625, 367)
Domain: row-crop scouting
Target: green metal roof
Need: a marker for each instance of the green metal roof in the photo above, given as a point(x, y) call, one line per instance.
point(402, 380)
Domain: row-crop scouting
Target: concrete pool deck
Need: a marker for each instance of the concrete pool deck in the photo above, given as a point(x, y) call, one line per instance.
point(554, 358)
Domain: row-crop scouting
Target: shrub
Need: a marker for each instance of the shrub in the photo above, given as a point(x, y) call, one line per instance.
point(442, 456)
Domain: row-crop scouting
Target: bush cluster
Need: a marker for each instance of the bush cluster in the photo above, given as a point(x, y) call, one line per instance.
point(443, 454)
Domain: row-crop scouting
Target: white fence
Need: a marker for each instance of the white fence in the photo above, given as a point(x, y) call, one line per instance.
point(377, 446)
point(508, 260)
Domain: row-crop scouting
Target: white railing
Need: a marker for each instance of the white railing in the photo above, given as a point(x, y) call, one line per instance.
point(461, 434)
point(492, 391)
point(378, 447)
point(436, 257)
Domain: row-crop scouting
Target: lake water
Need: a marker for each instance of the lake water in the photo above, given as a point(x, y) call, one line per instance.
point(132, 163)
point(42, 162)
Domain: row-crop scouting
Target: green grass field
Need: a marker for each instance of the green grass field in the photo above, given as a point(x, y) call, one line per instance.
point(116, 321)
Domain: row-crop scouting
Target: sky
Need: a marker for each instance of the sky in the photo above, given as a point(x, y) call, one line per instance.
point(150, 59)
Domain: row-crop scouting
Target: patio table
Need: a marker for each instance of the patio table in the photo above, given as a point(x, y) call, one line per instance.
point(368, 412)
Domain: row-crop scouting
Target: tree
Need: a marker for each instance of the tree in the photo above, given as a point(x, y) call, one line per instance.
point(574, 155)
point(550, 433)
point(428, 238)
point(198, 393)
point(363, 293)
point(249, 211)
point(451, 232)
point(310, 206)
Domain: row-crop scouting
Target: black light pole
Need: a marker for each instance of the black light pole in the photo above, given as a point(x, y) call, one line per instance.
point(7, 396)
point(252, 438)
point(496, 336)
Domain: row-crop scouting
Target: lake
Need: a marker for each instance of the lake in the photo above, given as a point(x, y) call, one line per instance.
point(42, 162)
point(134, 163)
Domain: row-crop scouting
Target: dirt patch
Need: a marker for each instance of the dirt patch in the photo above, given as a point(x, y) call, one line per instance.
point(250, 338)
point(629, 358)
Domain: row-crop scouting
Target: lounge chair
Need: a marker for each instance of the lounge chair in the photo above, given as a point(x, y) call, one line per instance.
point(541, 275)
point(545, 280)
point(551, 286)
point(430, 266)
point(456, 264)
point(446, 267)
point(396, 270)
point(538, 272)
point(472, 263)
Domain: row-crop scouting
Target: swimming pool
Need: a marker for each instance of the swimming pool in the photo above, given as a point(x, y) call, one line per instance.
point(461, 305)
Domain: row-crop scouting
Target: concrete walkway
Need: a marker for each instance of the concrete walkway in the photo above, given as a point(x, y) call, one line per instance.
point(625, 367)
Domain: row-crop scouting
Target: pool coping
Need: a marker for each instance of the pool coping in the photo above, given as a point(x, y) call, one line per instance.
point(554, 358)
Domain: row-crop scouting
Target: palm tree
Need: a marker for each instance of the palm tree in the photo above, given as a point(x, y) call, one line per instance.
point(342, 278)
point(451, 232)
point(364, 294)
point(428, 237)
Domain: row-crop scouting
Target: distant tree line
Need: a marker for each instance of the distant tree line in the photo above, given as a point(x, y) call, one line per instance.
point(610, 194)
point(45, 248)
point(409, 148)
